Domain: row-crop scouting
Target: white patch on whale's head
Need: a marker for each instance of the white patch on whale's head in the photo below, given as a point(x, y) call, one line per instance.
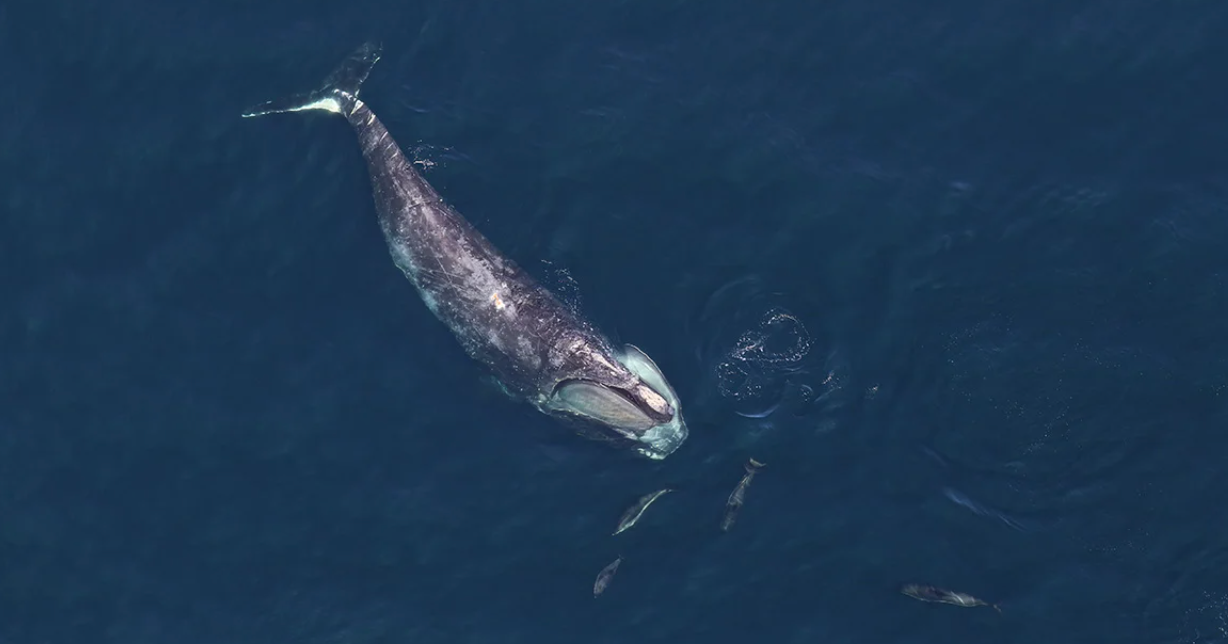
point(644, 415)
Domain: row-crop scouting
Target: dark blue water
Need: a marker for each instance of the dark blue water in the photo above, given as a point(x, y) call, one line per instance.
point(997, 230)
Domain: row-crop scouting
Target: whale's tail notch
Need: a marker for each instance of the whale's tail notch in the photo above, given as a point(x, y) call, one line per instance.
point(339, 91)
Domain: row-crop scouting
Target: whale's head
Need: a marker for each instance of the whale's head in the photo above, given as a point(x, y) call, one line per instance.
point(641, 412)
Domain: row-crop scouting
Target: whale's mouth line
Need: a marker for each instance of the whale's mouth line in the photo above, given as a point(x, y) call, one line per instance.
point(609, 405)
point(619, 391)
point(623, 394)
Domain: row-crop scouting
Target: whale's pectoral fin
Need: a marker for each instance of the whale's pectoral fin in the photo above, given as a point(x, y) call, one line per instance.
point(607, 405)
point(338, 93)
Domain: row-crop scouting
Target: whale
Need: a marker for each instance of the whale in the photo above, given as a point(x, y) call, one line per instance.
point(539, 350)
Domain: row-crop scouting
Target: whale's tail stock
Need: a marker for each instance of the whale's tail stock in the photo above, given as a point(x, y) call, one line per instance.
point(338, 93)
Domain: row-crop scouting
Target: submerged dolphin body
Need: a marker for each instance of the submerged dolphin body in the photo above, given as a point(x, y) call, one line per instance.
point(539, 349)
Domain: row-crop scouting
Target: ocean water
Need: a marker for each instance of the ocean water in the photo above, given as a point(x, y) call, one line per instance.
point(955, 271)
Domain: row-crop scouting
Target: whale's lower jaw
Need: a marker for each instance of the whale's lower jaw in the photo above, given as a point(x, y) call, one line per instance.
point(657, 441)
point(661, 441)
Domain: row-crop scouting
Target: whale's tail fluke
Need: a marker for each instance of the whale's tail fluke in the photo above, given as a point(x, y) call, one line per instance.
point(339, 92)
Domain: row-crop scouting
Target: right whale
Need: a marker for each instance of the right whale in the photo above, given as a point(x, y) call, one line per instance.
point(538, 349)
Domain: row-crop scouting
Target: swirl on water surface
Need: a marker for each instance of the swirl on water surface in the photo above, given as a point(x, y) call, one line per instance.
point(758, 359)
point(762, 356)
